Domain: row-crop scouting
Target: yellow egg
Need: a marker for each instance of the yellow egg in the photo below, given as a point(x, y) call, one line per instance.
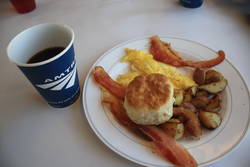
point(144, 63)
point(141, 61)
point(125, 79)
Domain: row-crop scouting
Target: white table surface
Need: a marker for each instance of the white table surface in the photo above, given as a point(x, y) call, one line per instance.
point(32, 134)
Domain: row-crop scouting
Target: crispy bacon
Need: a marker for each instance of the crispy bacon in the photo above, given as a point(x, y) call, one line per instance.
point(165, 144)
point(119, 112)
point(169, 148)
point(207, 63)
point(107, 82)
point(164, 53)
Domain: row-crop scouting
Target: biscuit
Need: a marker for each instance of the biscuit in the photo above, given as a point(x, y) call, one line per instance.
point(149, 99)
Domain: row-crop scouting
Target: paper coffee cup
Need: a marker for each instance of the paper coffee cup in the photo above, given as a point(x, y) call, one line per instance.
point(56, 78)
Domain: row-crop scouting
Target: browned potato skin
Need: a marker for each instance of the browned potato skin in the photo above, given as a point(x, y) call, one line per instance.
point(181, 118)
point(215, 87)
point(187, 96)
point(201, 93)
point(173, 128)
point(210, 120)
point(191, 121)
point(214, 104)
point(189, 106)
point(200, 102)
point(199, 76)
point(169, 128)
point(212, 76)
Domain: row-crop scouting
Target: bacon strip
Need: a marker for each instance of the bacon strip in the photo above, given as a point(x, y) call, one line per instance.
point(165, 144)
point(164, 53)
point(207, 63)
point(169, 148)
point(107, 82)
point(119, 112)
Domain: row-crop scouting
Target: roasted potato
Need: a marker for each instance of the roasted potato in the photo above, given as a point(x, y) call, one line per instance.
point(178, 95)
point(173, 128)
point(199, 76)
point(193, 90)
point(213, 76)
point(181, 118)
point(214, 104)
point(187, 96)
point(173, 120)
point(215, 87)
point(209, 120)
point(191, 121)
point(200, 102)
point(189, 106)
point(201, 93)
point(179, 131)
point(217, 109)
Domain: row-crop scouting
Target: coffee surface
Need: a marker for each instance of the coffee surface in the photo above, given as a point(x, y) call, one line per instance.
point(45, 54)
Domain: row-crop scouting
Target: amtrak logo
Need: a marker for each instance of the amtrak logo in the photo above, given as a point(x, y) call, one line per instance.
point(63, 81)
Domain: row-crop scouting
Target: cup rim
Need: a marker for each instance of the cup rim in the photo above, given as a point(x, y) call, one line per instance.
point(48, 60)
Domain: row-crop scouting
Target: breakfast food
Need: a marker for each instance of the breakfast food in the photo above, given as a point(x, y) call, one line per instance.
point(199, 76)
point(173, 128)
point(164, 53)
point(105, 80)
point(215, 87)
point(165, 144)
point(210, 120)
point(190, 120)
point(149, 99)
point(163, 104)
point(141, 62)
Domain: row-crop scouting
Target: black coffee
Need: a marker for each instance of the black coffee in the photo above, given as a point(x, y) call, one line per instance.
point(45, 54)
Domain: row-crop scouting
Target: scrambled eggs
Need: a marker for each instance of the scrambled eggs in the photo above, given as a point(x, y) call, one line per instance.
point(142, 62)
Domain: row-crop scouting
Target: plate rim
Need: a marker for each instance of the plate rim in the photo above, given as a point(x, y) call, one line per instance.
point(144, 38)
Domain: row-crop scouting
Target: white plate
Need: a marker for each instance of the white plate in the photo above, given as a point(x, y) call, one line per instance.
point(213, 144)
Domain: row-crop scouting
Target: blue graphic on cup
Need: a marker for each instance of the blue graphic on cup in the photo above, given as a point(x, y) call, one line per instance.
point(64, 80)
point(55, 79)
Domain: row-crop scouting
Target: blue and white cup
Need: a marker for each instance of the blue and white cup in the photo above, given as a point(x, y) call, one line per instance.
point(191, 3)
point(55, 79)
